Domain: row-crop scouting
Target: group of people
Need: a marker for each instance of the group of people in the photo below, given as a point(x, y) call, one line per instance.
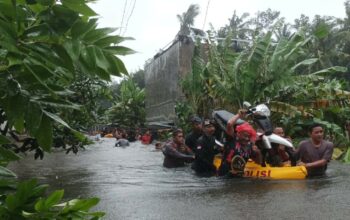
point(200, 147)
point(145, 136)
point(123, 138)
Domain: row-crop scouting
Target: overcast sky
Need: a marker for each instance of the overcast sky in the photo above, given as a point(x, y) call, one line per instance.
point(153, 23)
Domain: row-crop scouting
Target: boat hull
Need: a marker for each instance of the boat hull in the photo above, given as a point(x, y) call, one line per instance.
point(253, 170)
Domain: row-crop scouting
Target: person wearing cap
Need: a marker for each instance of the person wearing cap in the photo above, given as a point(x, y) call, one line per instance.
point(206, 150)
point(176, 154)
point(240, 144)
point(192, 137)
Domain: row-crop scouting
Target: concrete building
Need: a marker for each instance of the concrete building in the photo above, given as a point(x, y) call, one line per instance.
point(162, 77)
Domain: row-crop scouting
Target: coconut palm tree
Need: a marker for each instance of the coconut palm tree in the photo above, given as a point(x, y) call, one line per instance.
point(186, 19)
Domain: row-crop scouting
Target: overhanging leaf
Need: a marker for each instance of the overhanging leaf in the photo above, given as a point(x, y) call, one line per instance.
point(119, 50)
point(121, 66)
point(331, 70)
point(101, 60)
point(80, 28)
point(44, 134)
point(4, 140)
point(56, 118)
point(8, 155)
point(346, 158)
point(97, 34)
point(79, 6)
point(53, 199)
point(4, 172)
point(85, 204)
point(33, 118)
point(57, 103)
point(108, 40)
point(73, 47)
point(305, 63)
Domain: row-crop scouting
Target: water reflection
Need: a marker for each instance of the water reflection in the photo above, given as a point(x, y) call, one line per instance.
point(132, 184)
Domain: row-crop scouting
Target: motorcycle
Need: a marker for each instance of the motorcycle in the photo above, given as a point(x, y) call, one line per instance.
point(267, 141)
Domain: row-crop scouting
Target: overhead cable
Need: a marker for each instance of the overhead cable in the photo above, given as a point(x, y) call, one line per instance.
point(205, 16)
point(127, 21)
point(121, 24)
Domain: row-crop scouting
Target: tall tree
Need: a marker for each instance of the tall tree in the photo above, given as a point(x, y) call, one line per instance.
point(139, 78)
point(186, 19)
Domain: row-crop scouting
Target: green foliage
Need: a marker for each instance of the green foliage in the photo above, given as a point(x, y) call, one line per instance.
point(129, 109)
point(69, 140)
point(297, 72)
point(94, 97)
point(139, 78)
point(346, 157)
point(54, 64)
point(198, 85)
point(184, 113)
point(252, 75)
point(47, 47)
point(28, 202)
point(4, 172)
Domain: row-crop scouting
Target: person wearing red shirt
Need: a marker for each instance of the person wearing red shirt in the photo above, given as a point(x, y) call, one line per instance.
point(146, 138)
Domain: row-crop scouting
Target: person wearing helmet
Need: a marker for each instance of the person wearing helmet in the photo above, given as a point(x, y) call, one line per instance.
point(240, 147)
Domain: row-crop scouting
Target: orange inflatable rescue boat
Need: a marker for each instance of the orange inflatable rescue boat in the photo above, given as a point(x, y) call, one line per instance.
point(253, 170)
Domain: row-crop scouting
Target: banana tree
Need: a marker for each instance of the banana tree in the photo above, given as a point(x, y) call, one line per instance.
point(278, 71)
point(198, 85)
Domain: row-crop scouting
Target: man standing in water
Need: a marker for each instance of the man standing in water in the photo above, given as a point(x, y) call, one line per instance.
point(176, 154)
point(206, 150)
point(191, 138)
point(315, 153)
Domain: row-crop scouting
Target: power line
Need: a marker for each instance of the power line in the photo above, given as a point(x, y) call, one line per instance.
point(205, 17)
point(127, 21)
point(121, 24)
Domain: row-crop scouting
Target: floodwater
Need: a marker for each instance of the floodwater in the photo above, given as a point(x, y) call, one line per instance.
point(132, 184)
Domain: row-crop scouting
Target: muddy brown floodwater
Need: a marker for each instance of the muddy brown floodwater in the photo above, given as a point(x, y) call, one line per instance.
point(132, 184)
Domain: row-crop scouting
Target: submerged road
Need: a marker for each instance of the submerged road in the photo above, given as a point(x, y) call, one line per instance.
point(132, 184)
